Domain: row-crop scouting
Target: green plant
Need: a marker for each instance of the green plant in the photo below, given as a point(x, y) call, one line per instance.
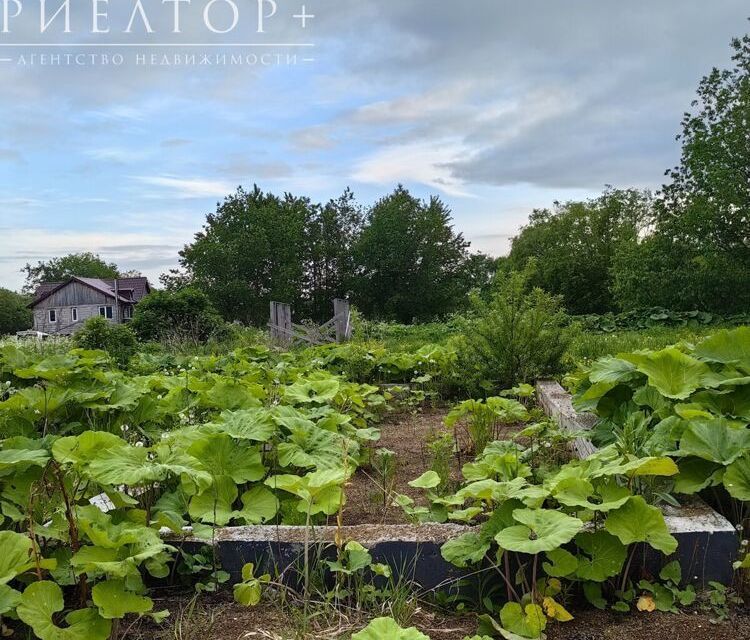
point(441, 447)
point(249, 591)
point(483, 419)
point(384, 463)
point(518, 336)
point(718, 600)
point(118, 340)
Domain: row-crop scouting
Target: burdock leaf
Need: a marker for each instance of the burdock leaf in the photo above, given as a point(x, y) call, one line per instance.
point(637, 521)
point(540, 530)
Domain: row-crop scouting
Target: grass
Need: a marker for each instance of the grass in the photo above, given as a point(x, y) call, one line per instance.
point(586, 347)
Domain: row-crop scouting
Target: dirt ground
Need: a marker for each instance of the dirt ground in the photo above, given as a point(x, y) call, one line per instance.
point(407, 435)
point(218, 618)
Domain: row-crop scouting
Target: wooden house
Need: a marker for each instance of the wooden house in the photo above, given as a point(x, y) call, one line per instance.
point(61, 308)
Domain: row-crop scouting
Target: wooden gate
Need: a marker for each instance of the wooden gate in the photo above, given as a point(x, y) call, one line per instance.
point(284, 331)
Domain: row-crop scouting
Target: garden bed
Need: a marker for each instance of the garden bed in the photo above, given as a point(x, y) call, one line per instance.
point(218, 618)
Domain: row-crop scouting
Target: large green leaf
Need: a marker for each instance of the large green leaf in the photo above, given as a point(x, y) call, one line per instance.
point(737, 478)
point(215, 504)
point(560, 563)
point(464, 550)
point(428, 480)
point(540, 530)
point(114, 600)
point(9, 599)
point(15, 558)
point(602, 555)
point(527, 622)
point(577, 492)
point(388, 629)
point(637, 521)
point(250, 424)
point(314, 391)
point(675, 374)
point(42, 600)
point(728, 347)
point(611, 370)
point(126, 465)
point(714, 440)
point(259, 505)
point(696, 474)
point(225, 457)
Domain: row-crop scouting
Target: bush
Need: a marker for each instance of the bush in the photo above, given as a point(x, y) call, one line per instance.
point(517, 336)
point(180, 316)
point(118, 340)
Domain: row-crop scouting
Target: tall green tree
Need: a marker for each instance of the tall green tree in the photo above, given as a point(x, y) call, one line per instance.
point(698, 254)
point(574, 246)
point(332, 232)
point(410, 260)
point(85, 264)
point(14, 316)
point(251, 251)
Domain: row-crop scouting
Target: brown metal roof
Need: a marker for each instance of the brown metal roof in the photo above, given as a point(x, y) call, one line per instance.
point(136, 288)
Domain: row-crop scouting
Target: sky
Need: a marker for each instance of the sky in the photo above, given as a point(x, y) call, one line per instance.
point(497, 106)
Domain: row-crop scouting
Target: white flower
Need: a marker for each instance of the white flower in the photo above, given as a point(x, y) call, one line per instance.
point(139, 444)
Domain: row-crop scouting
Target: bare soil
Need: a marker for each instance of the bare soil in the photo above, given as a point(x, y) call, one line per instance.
point(407, 435)
point(218, 618)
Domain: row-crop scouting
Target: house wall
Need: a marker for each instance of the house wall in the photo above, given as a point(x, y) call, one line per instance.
point(64, 315)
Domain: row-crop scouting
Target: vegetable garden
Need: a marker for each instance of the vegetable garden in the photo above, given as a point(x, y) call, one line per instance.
point(105, 472)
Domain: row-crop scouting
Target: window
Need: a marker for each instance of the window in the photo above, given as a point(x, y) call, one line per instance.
point(105, 312)
point(53, 315)
point(128, 312)
point(74, 314)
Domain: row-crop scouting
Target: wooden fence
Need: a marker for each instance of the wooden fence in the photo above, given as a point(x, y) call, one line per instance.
point(284, 331)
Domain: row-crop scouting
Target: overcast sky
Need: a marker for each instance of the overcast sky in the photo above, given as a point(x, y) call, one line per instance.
point(498, 106)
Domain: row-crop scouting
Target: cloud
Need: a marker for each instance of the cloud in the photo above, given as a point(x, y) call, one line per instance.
point(187, 187)
point(426, 163)
point(11, 155)
point(143, 251)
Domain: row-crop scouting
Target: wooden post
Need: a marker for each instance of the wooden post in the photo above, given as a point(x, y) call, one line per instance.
point(341, 314)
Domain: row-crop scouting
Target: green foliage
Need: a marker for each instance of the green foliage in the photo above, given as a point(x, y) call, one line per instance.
point(646, 319)
point(692, 401)
point(388, 629)
point(118, 340)
point(574, 246)
point(185, 315)
point(249, 591)
point(14, 316)
point(698, 242)
point(518, 336)
point(410, 260)
point(85, 265)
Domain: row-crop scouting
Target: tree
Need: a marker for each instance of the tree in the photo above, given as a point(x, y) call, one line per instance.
point(575, 244)
point(518, 335)
point(86, 264)
point(184, 315)
point(332, 232)
point(14, 316)
point(250, 252)
point(410, 261)
point(698, 254)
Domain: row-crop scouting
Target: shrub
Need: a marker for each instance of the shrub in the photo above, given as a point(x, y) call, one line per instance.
point(517, 336)
point(186, 315)
point(118, 340)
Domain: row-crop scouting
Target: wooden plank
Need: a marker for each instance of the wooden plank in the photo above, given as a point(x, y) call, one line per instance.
point(557, 403)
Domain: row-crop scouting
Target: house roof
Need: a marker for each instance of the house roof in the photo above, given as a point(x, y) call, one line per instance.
point(138, 287)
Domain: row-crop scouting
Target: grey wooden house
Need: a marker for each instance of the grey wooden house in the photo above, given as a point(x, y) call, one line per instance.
point(61, 308)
